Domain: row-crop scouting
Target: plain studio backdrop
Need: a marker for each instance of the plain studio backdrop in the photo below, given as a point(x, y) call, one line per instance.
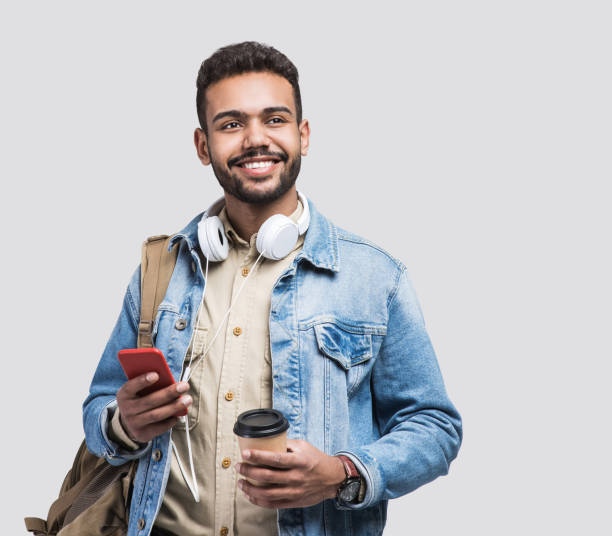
point(469, 139)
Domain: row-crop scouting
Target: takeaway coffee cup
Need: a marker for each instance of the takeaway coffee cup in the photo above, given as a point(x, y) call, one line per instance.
point(263, 429)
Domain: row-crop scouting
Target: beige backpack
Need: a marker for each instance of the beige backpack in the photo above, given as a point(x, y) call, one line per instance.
point(95, 496)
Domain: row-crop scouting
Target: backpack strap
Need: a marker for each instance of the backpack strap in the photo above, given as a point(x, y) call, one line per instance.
point(156, 270)
point(36, 525)
point(91, 476)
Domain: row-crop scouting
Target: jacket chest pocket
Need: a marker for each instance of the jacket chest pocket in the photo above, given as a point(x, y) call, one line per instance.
point(196, 381)
point(348, 347)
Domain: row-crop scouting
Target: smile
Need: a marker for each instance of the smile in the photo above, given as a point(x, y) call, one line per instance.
point(256, 165)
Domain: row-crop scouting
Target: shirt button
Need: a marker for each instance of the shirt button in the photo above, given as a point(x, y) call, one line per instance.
point(226, 463)
point(237, 331)
point(141, 523)
point(229, 396)
point(181, 324)
point(224, 531)
point(157, 455)
point(245, 272)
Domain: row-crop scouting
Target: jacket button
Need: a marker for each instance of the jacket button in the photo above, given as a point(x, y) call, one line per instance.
point(237, 331)
point(181, 324)
point(229, 396)
point(224, 531)
point(141, 523)
point(157, 455)
point(226, 463)
point(245, 272)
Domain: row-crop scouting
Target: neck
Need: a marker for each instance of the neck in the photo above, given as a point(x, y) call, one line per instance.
point(247, 218)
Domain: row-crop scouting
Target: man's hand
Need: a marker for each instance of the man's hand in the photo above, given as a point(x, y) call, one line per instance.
point(300, 477)
point(145, 417)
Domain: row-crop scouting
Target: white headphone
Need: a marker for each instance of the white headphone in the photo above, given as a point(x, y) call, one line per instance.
point(276, 237)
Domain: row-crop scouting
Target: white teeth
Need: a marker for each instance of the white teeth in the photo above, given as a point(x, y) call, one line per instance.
point(254, 165)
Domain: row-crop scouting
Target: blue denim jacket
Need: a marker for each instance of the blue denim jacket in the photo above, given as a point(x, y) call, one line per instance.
point(353, 371)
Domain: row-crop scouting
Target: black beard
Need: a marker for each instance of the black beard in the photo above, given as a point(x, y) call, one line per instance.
point(232, 184)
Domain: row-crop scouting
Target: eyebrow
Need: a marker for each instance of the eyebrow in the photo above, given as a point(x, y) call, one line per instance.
point(243, 116)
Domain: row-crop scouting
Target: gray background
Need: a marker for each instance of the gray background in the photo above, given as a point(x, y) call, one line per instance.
point(470, 139)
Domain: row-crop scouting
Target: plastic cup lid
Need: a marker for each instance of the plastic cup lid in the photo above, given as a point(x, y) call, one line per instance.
point(263, 422)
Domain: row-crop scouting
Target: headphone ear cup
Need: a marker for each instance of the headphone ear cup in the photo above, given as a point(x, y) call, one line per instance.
point(277, 237)
point(212, 239)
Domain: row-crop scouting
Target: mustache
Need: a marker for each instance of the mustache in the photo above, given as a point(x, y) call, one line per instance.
point(282, 156)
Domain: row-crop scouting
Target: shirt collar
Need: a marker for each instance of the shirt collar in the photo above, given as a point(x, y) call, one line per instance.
point(235, 239)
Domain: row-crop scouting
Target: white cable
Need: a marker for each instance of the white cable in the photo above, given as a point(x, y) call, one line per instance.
point(203, 355)
point(186, 376)
point(192, 488)
point(193, 485)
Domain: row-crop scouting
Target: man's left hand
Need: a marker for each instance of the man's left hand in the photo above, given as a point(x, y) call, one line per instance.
point(300, 477)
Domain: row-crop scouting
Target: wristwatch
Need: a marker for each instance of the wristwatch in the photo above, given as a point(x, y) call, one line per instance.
point(348, 490)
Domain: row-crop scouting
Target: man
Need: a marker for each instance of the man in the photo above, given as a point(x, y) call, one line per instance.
point(330, 334)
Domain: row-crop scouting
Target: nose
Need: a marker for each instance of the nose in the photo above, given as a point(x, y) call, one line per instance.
point(255, 135)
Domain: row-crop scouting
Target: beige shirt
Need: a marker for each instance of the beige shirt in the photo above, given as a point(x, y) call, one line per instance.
point(235, 376)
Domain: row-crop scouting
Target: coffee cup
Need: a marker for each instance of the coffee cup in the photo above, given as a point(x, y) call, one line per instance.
point(262, 429)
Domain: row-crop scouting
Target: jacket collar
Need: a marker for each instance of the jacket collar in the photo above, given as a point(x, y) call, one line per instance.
point(320, 243)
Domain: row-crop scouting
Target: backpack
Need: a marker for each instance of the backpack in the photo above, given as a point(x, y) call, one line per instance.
point(95, 496)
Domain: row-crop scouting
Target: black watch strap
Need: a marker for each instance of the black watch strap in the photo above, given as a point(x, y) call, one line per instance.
point(352, 487)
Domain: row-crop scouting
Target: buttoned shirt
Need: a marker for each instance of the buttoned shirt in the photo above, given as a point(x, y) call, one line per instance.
point(235, 376)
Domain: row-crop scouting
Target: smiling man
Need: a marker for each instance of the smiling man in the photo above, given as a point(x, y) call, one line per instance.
point(272, 305)
point(263, 164)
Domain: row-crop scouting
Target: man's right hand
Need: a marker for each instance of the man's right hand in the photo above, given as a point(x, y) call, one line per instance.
point(145, 417)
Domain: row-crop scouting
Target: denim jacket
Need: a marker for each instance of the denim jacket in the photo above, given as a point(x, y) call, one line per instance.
point(353, 371)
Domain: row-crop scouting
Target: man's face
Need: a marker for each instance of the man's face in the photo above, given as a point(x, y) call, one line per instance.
point(254, 142)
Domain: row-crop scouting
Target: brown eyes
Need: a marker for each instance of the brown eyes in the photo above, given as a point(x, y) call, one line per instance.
point(235, 124)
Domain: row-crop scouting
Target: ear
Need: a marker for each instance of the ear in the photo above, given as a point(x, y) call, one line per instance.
point(304, 129)
point(201, 143)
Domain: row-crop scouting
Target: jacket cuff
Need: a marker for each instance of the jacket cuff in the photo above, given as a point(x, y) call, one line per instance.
point(117, 452)
point(117, 433)
point(368, 469)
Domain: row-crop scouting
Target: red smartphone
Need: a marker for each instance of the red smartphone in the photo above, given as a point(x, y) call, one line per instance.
point(138, 361)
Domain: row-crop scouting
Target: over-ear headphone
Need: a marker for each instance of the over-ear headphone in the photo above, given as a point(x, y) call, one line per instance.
point(276, 237)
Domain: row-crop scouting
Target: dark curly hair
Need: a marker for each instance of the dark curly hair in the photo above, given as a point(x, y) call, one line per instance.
point(240, 58)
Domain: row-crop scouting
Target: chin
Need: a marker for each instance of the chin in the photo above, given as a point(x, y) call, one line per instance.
point(260, 190)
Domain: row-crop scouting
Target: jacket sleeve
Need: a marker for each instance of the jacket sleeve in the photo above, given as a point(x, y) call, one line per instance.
point(101, 403)
point(420, 428)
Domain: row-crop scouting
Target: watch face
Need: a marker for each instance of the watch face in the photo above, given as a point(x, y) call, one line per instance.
point(350, 490)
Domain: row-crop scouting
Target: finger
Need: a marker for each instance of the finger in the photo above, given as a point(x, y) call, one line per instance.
point(164, 396)
point(269, 497)
point(131, 387)
point(267, 475)
point(161, 413)
point(293, 445)
point(260, 502)
point(153, 430)
point(281, 460)
point(156, 399)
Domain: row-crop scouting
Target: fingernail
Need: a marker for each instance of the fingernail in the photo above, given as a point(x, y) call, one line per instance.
point(186, 400)
point(151, 377)
point(182, 387)
point(237, 467)
point(241, 485)
point(246, 454)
